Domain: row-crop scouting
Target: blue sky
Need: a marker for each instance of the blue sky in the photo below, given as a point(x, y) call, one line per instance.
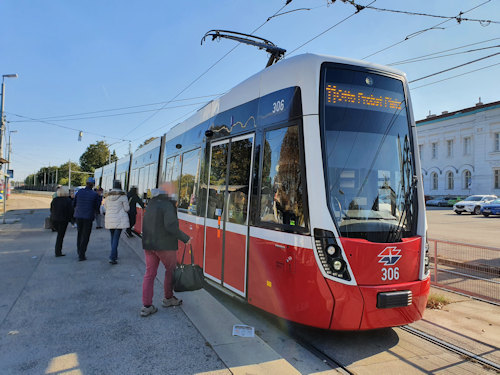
point(80, 57)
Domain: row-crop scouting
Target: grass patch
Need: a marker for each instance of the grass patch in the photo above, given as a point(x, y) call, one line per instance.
point(436, 301)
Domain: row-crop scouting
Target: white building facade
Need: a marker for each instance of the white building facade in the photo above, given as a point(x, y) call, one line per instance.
point(460, 151)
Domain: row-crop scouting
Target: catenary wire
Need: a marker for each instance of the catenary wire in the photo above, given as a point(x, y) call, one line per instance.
point(127, 107)
point(437, 53)
point(447, 55)
point(68, 127)
point(114, 114)
point(458, 18)
point(422, 31)
point(201, 75)
point(455, 76)
point(325, 31)
point(455, 67)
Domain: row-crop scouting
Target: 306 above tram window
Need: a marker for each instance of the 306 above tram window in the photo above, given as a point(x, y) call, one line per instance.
point(368, 153)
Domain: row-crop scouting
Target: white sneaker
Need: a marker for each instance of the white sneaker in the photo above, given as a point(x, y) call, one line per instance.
point(167, 302)
point(146, 311)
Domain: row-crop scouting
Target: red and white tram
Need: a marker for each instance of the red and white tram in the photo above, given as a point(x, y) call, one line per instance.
point(302, 190)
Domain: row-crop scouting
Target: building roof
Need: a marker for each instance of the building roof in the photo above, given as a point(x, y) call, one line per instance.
point(461, 112)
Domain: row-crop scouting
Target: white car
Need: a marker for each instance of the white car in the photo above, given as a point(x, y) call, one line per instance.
point(472, 204)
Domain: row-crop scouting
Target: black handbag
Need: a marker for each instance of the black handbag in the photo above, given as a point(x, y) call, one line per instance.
point(188, 277)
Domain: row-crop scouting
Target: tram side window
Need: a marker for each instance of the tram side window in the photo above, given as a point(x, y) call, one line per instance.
point(188, 192)
point(173, 171)
point(133, 178)
point(153, 173)
point(282, 189)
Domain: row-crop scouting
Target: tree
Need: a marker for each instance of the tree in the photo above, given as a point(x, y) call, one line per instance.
point(96, 156)
point(77, 179)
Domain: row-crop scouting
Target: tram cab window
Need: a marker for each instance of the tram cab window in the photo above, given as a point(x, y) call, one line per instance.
point(282, 189)
point(188, 192)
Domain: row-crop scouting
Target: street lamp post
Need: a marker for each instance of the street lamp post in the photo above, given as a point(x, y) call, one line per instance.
point(2, 132)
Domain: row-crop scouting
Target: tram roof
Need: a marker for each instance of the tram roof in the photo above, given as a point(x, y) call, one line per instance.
point(301, 70)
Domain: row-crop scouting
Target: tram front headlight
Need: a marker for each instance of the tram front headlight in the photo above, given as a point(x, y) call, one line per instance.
point(337, 265)
point(330, 250)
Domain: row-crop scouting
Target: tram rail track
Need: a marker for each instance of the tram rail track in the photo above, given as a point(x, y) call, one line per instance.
point(336, 364)
point(453, 348)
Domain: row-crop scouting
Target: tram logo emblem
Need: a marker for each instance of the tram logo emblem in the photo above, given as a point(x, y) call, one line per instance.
point(389, 256)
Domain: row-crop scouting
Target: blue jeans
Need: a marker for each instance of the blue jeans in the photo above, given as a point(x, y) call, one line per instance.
point(115, 238)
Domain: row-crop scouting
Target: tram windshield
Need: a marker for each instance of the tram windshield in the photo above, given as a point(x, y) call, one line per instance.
point(368, 155)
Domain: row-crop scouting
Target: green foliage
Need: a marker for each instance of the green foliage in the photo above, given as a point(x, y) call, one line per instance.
point(57, 175)
point(96, 156)
point(149, 140)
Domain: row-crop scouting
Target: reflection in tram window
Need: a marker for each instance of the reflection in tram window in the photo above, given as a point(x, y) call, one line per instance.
point(188, 192)
point(217, 182)
point(281, 199)
point(239, 176)
point(172, 172)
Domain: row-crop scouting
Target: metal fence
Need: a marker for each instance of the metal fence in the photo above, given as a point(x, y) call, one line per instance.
point(469, 269)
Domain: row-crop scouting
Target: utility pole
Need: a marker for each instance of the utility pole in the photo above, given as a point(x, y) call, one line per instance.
point(69, 174)
point(57, 177)
point(2, 121)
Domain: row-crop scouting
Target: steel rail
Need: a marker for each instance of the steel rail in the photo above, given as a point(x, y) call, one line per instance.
point(451, 347)
point(328, 359)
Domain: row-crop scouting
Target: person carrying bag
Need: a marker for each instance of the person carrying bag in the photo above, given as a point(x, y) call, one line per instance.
point(188, 277)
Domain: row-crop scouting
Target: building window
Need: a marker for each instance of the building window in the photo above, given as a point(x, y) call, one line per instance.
point(434, 150)
point(467, 145)
point(434, 179)
point(467, 179)
point(497, 178)
point(420, 150)
point(449, 148)
point(497, 142)
point(449, 180)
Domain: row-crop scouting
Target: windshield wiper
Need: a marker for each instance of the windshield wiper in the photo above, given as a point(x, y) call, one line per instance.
point(395, 234)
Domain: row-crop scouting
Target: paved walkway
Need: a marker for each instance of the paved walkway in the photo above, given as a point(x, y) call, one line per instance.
point(61, 316)
point(58, 315)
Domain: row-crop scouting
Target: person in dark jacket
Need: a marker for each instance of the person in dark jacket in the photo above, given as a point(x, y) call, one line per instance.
point(133, 200)
point(86, 205)
point(160, 236)
point(61, 213)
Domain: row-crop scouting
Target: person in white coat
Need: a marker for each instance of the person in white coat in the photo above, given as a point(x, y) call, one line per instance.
point(116, 208)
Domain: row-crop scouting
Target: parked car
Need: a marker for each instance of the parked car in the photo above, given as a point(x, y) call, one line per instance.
point(454, 200)
point(428, 198)
point(440, 202)
point(473, 204)
point(492, 208)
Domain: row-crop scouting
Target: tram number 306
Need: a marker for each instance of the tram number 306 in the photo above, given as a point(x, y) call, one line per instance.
point(279, 106)
point(390, 273)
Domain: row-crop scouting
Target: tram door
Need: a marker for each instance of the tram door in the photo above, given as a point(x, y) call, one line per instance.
point(226, 228)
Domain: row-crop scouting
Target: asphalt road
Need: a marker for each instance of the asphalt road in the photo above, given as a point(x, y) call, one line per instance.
point(445, 225)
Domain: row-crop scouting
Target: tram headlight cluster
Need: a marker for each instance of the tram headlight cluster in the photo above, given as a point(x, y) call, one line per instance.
point(330, 255)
